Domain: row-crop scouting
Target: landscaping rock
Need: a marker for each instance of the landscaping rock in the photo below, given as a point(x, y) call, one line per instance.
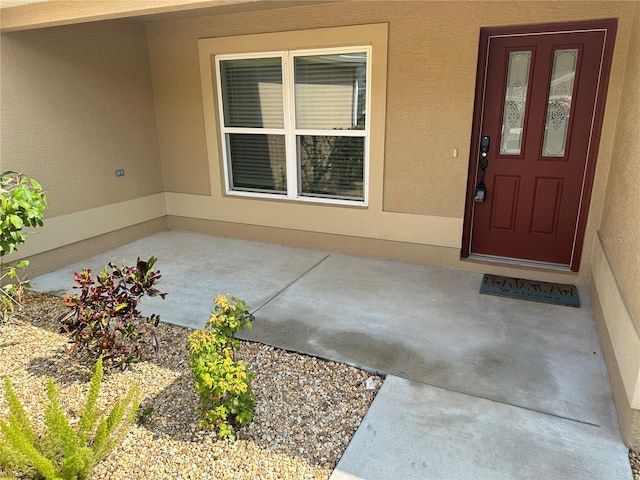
point(307, 409)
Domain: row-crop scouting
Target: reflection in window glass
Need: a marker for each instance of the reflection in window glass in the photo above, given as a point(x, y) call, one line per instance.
point(307, 143)
point(331, 166)
point(252, 92)
point(258, 162)
point(330, 91)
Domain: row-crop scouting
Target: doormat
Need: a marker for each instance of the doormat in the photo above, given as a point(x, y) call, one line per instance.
point(545, 292)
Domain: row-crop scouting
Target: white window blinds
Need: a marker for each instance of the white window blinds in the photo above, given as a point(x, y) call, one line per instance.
point(298, 113)
point(252, 93)
point(330, 91)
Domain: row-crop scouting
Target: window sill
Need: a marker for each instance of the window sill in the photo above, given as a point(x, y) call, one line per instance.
point(330, 202)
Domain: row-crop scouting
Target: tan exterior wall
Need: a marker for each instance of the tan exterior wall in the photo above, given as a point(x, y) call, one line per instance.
point(620, 228)
point(80, 98)
point(77, 104)
point(616, 257)
point(429, 105)
point(620, 344)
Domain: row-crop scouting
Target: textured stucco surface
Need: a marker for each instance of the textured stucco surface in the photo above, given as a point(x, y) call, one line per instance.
point(77, 104)
point(80, 101)
point(628, 417)
point(431, 82)
point(620, 229)
point(617, 269)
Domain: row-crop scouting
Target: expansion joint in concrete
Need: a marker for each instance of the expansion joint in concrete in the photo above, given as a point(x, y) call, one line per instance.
point(282, 290)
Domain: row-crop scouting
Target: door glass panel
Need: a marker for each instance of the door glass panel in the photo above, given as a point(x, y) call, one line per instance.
point(559, 106)
point(515, 101)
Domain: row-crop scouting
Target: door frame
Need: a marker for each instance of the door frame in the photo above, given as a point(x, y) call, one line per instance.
point(609, 26)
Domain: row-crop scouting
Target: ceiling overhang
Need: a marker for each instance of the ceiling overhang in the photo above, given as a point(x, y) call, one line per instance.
point(29, 14)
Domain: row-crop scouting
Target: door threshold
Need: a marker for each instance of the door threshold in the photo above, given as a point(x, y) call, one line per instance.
point(519, 262)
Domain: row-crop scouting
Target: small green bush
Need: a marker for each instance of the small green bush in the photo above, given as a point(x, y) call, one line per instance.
point(22, 204)
point(63, 452)
point(104, 319)
point(227, 402)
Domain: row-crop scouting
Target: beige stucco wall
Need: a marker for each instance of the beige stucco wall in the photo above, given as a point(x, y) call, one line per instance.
point(80, 101)
point(432, 57)
point(616, 256)
point(77, 103)
point(620, 228)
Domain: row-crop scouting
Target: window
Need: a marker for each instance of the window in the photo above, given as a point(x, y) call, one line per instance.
point(294, 124)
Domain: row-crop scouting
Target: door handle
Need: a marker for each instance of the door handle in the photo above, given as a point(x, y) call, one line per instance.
point(481, 189)
point(484, 151)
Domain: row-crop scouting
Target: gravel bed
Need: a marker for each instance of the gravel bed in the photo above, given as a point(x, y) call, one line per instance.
point(634, 459)
point(306, 413)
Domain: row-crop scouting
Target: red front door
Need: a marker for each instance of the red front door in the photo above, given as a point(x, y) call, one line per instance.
point(540, 102)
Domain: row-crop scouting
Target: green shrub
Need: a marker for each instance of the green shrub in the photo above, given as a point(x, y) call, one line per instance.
point(104, 319)
point(22, 203)
point(63, 452)
point(227, 402)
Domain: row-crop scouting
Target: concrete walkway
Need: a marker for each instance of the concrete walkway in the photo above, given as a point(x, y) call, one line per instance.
point(477, 386)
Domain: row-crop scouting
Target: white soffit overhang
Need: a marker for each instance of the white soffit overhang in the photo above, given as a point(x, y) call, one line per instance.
point(29, 14)
point(15, 3)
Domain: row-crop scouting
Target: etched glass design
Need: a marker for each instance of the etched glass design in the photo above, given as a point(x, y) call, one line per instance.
point(515, 101)
point(559, 107)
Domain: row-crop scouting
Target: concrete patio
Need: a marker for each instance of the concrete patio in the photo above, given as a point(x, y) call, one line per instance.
point(476, 387)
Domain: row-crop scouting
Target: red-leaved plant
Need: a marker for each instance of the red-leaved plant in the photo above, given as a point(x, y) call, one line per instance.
point(104, 319)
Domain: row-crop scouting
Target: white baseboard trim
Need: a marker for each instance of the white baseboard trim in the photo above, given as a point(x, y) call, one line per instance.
point(620, 324)
point(74, 227)
point(336, 220)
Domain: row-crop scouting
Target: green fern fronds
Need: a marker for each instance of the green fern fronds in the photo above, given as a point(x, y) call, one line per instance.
point(10, 460)
point(90, 413)
point(76, 460)
point(22, 448)
point(17, 416)
point(114, 428)
point(20, 437)
point(63, 453)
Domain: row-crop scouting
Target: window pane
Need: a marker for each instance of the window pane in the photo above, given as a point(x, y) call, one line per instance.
point(515, 102)
point(330, 91)
point(258, 162)
point(559, 106)
point(252, 93)
point(331, 166)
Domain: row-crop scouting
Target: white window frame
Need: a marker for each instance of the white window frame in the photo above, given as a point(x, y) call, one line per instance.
point(290, 131)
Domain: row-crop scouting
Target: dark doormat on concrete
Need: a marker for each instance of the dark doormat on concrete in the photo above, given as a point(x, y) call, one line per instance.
point(556, 293)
